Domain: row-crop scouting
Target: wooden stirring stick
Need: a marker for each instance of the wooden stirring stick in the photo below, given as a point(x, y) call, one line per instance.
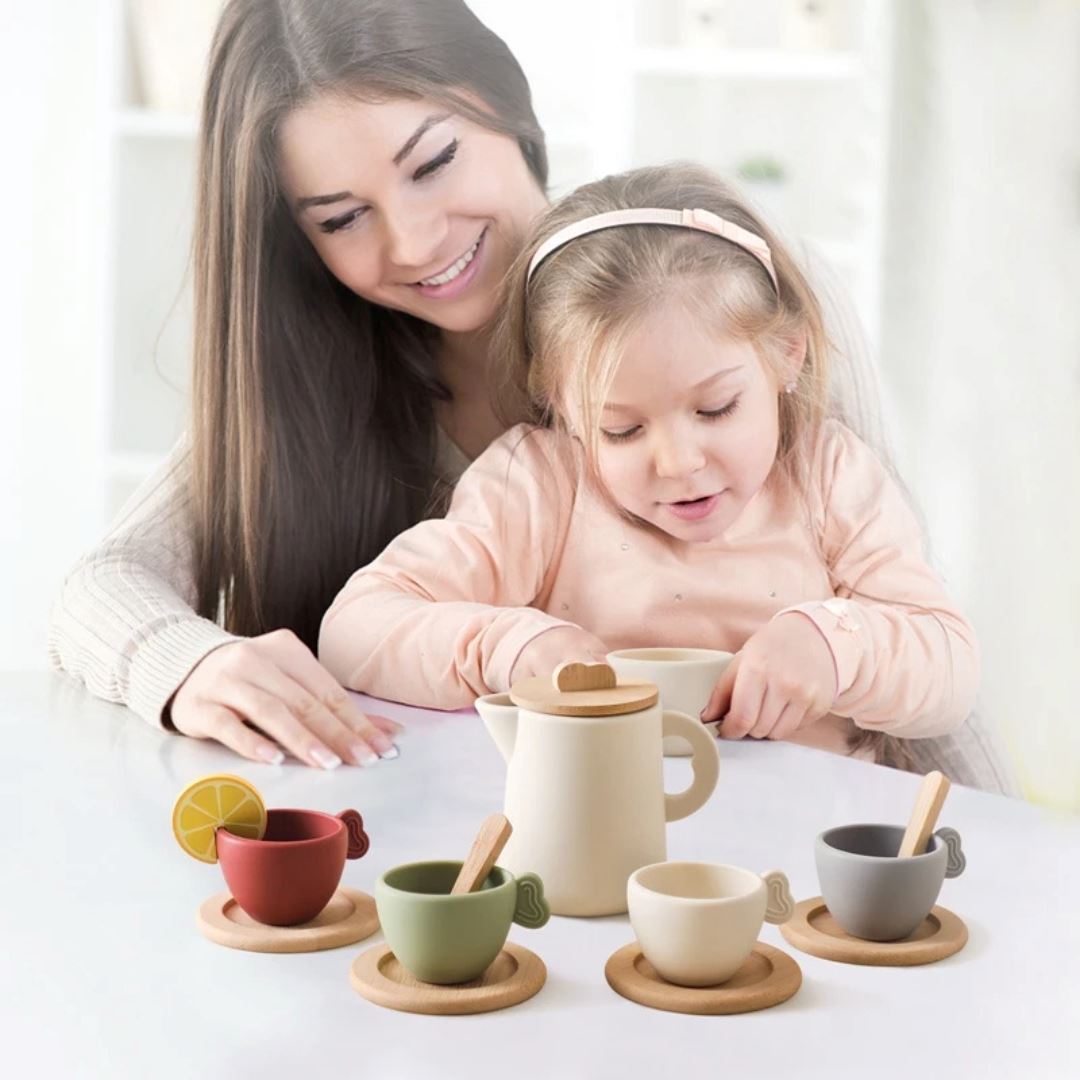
point(487, 847)
point(924, 817)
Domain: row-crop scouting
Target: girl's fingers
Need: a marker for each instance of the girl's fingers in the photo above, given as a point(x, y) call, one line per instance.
point(789, 722)
point(746, 701)
point(720, 698)
point(227, 728)
point(773, 704)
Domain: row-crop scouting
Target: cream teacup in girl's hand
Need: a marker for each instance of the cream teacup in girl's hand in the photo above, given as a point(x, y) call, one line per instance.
point(697, 922)
point(685, 679)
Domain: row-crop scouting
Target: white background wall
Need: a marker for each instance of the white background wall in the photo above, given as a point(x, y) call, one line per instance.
point(50, 407)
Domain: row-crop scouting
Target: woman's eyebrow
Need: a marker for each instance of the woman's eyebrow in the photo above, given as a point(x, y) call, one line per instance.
point(321, 200)
point(417, 135)
point(307, 201)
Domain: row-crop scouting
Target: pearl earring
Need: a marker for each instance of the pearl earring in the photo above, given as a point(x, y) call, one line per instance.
point(790, 388)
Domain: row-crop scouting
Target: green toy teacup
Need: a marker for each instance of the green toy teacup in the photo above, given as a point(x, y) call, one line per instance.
point(448, 939)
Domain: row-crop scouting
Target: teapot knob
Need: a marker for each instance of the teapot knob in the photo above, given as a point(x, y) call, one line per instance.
point(577, 676)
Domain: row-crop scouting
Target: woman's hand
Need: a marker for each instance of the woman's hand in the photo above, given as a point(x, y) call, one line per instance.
point(553, 647)
point(274, 683)
point(782, 679)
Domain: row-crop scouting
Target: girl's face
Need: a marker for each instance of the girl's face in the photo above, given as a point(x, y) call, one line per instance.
point(409, 205)
point(690, 427)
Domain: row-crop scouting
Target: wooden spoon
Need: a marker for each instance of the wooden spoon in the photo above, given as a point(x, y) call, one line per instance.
point(924, 817)
point(487, 847)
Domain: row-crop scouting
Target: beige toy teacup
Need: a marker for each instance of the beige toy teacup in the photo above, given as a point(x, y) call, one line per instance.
point(684, 677)
point(697, 922)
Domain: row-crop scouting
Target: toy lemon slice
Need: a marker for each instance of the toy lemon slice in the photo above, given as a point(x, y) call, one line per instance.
point(216, 802)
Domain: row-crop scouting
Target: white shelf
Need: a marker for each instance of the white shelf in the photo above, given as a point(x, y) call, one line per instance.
point(137, 122)
point(763, 64)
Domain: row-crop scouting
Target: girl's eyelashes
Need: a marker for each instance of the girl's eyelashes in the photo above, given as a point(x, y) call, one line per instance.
point(716, 414)
point(439, 161)
point(620, 436)
point(708, 414)
point(429, 168)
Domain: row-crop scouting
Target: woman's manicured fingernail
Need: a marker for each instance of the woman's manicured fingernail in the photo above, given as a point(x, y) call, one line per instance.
point(270, 754)
point(326, 758)
point(389, 755)
point(362, 754)
point(383, 743)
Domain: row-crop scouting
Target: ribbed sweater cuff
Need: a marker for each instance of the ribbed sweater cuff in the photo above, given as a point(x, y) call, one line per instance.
point(165, 659)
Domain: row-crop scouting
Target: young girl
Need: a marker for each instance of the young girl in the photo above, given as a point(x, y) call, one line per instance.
point(687, 483)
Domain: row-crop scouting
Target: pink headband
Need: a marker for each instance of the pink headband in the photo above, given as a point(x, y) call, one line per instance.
point(704, 220)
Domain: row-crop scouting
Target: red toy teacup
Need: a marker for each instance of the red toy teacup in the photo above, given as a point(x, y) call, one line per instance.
point(289, 875)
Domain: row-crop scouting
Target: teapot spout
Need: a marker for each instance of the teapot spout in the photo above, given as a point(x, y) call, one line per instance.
point(500, 716)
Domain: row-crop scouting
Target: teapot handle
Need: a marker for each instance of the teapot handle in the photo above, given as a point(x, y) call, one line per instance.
point(705, 763)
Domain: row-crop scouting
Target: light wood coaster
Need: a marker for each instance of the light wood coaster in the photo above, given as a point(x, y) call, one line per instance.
point(348, 918)
point(515, 976)
point(813, 930)
point(767, 977)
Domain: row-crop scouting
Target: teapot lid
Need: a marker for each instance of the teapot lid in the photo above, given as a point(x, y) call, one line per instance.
point(583, 690)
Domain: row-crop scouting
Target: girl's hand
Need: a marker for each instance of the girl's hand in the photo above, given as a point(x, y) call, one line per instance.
point(783, 678)
point(275, 683)
point(553, 647)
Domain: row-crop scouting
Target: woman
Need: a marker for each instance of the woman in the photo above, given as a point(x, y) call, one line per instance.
point(367, 170)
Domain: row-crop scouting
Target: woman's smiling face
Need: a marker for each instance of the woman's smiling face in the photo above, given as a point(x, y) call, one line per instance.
point(408, 204)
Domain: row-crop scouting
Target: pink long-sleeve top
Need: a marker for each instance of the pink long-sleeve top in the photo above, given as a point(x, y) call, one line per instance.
point(529, 544)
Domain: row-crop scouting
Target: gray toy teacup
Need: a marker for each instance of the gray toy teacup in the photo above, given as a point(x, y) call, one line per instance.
point(872, 893)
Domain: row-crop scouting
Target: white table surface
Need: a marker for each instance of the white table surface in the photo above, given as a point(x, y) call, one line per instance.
point(105, 975)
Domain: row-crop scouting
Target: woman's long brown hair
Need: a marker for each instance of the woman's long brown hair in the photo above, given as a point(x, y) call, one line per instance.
point(313, 430)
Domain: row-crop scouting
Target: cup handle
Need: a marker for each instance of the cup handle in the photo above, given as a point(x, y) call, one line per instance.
point(956, 860)
point(359, 842)
point(705, 763)
point(780, 905)
point(531, 909)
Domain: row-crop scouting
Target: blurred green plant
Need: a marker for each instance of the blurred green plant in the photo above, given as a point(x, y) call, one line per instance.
point(761, 169)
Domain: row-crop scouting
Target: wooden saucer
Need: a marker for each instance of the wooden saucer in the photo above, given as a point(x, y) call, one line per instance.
point(515, 976)
point(813, 930)
point(348, 918)
point(767, 977)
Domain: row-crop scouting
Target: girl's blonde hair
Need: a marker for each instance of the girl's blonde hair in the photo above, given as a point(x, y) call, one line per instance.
point(563, 331)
